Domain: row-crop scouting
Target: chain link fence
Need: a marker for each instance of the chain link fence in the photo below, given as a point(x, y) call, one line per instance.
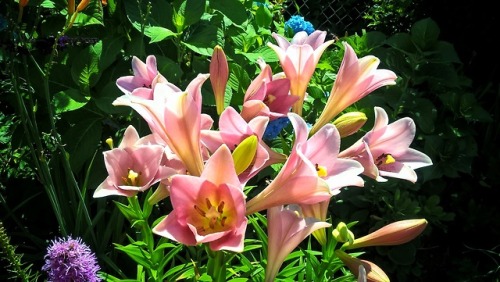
point(335, 16)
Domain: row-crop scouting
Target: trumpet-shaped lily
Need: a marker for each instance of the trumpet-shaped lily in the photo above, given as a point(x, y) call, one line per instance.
point(298, 59)
point(356, 78)
point(372, 271)
point(145, 77)
point(233, 129)
point(175, 116)
point(267, 96)
point(287, 228)
point(321, 151)
point(132, 167)
point(396, 233)
point(219, 74)
point(311, 174)
point(384, 151)
point(207, 209)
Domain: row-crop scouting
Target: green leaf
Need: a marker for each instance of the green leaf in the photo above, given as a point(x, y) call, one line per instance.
point(264, 52)
point(263, 16)
point(203, 40)
point(158, 33)
point(85, 69)
point(425, 33)
point(157, 25)
point(68, 100)
point(403, 42)
point(169, 69)
point(107, 95)
point(91, 15)
point(232, 9)
point(136, 253)
point(194, 9)
point(238, 81)
point(83, 140)
point(111, 47)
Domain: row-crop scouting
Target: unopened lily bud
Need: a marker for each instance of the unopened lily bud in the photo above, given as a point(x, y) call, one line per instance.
point(83, 4)
point(219, 74)
point(373, 272)
point(342, 234)
point(159, 194)
point(350, 123)
point(23, 3)
point(71, 7)
point(396, 233)
point(244, 153)
point(109, 141)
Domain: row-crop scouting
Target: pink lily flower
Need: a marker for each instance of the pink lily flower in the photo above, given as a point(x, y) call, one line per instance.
point(145, 77)
point(233, 129)
point(175, 116)
point(132, 167)
point(298, 181)
point(267, 96)
point(322, 150)
point(298, 59)
point(356, 78)
point(384, 151)
point(287, 228)
point(207, 209)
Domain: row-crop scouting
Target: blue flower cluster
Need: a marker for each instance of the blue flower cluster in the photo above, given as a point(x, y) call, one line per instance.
point(297, 23)
point(72, 260)
point(274, 128)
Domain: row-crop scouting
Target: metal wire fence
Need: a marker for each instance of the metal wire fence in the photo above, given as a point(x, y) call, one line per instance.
point(335, 16)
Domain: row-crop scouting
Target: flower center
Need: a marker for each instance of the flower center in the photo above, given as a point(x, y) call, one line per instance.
point(385, 159)
point(321, 170)
point(269, 99)
point(213, 217)
point(132, 178)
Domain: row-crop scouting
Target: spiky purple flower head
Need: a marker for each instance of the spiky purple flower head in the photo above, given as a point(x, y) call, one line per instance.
point(70, 260)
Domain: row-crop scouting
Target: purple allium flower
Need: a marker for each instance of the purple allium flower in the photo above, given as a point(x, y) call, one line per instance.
point(297, 23)
point(70, 260)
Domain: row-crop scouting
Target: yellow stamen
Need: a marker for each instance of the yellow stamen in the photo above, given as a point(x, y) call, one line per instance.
point(321, 170)
point(389, 159)
point(133, 177)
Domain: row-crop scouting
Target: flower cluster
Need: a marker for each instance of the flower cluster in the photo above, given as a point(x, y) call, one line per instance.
point(297, 23)
point(70, 260)
point(203, 168)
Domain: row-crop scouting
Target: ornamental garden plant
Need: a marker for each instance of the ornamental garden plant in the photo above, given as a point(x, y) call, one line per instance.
point(201, 141)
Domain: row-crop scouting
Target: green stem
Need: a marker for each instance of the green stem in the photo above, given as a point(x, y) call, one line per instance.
point(216, 265)
point(37, 152)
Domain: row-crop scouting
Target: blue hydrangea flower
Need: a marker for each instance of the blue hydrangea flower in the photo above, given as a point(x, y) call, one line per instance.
point(70, 260)
point(297, 23)
point(274, 127)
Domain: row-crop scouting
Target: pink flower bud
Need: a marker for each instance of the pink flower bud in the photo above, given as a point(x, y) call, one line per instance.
point(396, 233)
point(219, 74)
